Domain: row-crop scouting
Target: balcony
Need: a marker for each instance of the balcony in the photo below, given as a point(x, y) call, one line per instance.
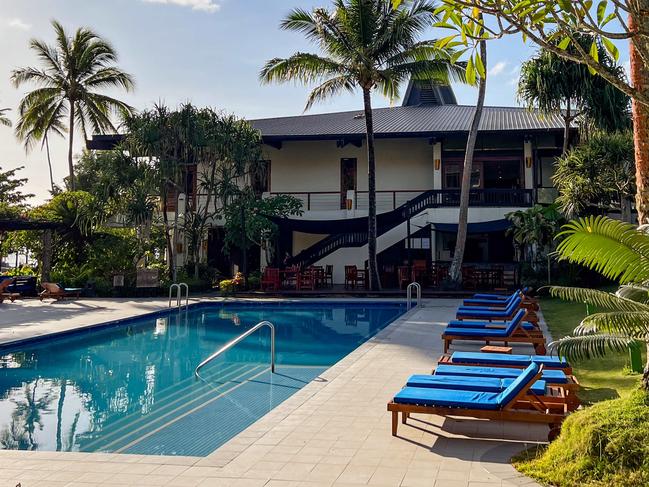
point(388, 200)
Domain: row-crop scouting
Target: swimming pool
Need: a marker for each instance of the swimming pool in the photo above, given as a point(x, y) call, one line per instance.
point(129, 386)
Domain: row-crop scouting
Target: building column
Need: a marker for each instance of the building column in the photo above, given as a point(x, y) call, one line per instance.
point(437, 165)
point(528, 155)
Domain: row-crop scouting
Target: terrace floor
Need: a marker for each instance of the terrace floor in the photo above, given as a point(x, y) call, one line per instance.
point(335, 431)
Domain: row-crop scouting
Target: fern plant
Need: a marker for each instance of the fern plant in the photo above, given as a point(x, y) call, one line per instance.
point(620, 252)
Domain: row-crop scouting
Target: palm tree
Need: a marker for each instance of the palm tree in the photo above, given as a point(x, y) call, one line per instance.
point(553, 84)
point(620, 252)
point(74, 69)
point(366, 45)
point(4, 119)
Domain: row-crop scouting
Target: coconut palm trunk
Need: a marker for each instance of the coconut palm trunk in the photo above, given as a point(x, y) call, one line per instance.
point(455, 273)
point(375, 282)
point(71, 146)
point(640, 81)
point(567, 119)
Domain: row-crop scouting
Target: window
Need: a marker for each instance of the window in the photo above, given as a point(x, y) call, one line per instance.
point(453, 176)
point(261, 178)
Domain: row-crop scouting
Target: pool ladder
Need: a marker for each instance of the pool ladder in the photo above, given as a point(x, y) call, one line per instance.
point(240, 338)
point(411, 286)
point(179, 296)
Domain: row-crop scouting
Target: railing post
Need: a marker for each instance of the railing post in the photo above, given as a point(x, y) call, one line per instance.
point(308, 201)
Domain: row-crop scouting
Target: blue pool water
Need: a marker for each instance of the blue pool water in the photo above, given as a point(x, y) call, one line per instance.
point(128, 387)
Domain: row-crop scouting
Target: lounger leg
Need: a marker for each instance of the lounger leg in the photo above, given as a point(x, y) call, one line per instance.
point(395, 422)
point(404, 417)
point(447, 343)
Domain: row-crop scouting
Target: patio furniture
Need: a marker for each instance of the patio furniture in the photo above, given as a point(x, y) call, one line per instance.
point(271, 280)
point(501, 360)
point(495, 313)
point(528, 303)
point(7, 295)
point(514, 332)
point(306, 280)
point(404, 276)
point(512, 404)
point(318, 275)
point(496, 349)
point(469, 280)
point(58, 292)
point(354, 277)
point(329, 276)
point(23, 285)
point(289, 277)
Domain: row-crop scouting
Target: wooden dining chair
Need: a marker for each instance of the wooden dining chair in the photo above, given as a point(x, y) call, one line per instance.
point(351, 276)
point(329, 276)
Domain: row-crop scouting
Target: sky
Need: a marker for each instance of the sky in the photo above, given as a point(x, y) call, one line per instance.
point(208, 52)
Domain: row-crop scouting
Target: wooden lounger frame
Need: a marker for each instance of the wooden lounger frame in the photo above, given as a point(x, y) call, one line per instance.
point(530, 316)
point(525, 303)
point(5, 295)
point(524, 407)
point(519, 335)
point(55, 291)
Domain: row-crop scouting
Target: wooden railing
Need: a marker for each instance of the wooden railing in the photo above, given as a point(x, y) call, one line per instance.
point(388, 200)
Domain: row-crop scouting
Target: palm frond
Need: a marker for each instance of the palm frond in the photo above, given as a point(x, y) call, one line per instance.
point(634, 292)
point(4, 120)
point(303, 67)
point(634, 324)
point(590, 346)
point(330, 88)
point(595, 297)
point(613, 248)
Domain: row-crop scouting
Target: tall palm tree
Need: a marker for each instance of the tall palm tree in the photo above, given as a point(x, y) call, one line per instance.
point(4, 119)
point(74, 71)
point(619, 251)
point(366, 45)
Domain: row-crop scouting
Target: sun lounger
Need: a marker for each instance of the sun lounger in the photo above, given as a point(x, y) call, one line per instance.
point(514, 332)
point(489, 324)
point(501, 303)
point(494, 313)
point(511, 404)
point(503, 297)
point(550, 394)
point(506, 360)
point(55, 291)
point(7, 295)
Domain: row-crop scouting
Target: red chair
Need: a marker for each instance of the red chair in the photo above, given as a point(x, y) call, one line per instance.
point(404, 276)
point(351, 276)
point(270, 280)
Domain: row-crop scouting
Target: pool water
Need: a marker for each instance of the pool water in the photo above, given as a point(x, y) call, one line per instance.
point(129, 386)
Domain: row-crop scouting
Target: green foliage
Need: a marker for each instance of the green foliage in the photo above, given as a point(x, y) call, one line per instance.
point(618, 251)
point(248, 219)
point(10, 190)
point(367, 44)
point(534, 230)
point(552, 83)
point(603, 445)
point(597, 173)
point(4, 119)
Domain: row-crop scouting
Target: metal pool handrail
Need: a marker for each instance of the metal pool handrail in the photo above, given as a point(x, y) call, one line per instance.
point(179, 293)
point(240, 338)
point(417, 286)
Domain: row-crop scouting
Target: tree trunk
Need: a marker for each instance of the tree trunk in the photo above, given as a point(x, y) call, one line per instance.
point(49, 162)
point(375, 282)
point(71, 147)
point(455, 273)
point(625, 209)
point(640, 81)
point(567, 119)
point(645, 374)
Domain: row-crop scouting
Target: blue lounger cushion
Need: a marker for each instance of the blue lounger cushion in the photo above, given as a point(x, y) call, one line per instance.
point(520, 383)
point(467, 383)
point(506, 359)
point(549, 376)
point(424, 396)
point(487, 324)
point(489, 302)
point(477, 312)
point(488, 332)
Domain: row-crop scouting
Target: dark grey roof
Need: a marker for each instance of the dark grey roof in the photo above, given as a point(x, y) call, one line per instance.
point(425, 120)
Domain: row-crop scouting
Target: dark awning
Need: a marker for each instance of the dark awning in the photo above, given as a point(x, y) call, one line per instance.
point(482, 227)
point(24, 224)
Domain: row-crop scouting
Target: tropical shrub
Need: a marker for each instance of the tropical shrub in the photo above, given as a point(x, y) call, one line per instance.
point(620, 252)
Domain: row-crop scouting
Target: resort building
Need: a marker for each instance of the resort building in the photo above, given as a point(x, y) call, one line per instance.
point(322, 160)
point(420, 145)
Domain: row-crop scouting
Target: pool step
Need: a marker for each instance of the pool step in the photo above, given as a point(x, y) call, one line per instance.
point(175, 401)
point(215, 422)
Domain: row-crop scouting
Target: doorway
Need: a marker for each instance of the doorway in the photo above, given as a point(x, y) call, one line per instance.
point(348, 179)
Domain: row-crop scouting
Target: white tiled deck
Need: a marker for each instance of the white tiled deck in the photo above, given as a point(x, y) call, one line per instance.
point(335, 431)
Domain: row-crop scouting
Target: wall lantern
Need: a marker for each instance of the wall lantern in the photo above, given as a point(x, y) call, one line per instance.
point(528, 162)
point(438, 164)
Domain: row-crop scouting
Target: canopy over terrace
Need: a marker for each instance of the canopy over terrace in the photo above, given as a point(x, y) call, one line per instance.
point(44, 226)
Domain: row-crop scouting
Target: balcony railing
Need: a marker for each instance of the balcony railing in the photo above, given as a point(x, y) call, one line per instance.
point(388, 200)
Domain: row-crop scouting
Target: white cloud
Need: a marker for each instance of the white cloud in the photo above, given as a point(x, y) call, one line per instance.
point(498, 68)
point(17, 23)
point(210, 6)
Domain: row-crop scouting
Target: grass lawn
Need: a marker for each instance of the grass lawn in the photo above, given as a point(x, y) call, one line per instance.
point(601, 378)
